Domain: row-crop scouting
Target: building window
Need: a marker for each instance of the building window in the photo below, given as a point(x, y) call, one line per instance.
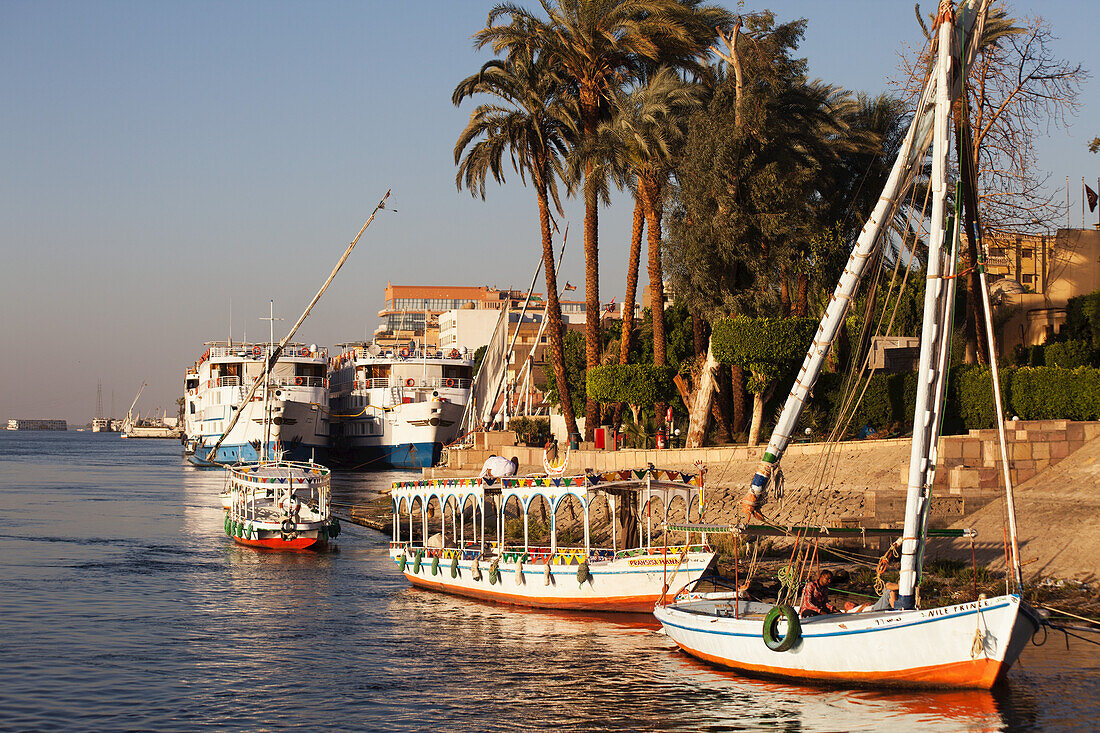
point(1027, 252)
point(996, 251)
point(1027, 279)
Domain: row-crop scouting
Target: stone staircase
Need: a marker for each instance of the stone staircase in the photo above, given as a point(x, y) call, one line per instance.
point(971, 464)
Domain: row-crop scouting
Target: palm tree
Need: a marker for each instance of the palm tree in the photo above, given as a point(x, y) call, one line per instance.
point(527, 127)
point(595, 46)
point(646, 128)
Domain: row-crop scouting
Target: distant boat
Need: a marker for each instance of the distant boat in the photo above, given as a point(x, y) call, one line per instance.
point(136, 428)
point(396, 408)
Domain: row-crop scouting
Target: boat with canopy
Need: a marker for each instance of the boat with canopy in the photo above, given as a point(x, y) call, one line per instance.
point(591, 542)
point(967, 645)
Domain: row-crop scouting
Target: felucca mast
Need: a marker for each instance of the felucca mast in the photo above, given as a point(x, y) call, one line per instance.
point(906, 166)
point(931, 368)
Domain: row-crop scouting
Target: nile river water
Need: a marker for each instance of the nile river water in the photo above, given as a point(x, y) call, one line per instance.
point(124, 606)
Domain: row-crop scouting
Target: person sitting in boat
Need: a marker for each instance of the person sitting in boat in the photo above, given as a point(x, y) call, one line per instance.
point(886, 602)
point(499, 467)
point(815, 597)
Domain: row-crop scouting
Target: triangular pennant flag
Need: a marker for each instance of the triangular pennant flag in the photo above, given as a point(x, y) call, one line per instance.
point(641, 474)
point(557, 481)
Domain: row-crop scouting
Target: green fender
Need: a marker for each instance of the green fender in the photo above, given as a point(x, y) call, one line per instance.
point(401, 562)
point(454, 566)
point(435, 565)
point(771, 626)
point(416, 561)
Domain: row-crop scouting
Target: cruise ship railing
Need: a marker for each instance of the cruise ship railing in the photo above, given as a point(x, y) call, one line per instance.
point(429, 383)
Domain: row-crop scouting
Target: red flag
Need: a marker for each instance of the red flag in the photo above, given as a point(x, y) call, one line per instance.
point(1091, 196)
point(611, 306)
point(569, 286)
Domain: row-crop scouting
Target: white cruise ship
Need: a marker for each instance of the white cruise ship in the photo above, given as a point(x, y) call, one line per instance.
point(218, 382)
point(396, 408)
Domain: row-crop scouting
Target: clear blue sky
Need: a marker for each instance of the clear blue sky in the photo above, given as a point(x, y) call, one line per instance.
point(160, 159)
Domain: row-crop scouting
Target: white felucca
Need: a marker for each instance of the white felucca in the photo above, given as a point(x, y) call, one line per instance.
point(971, 645)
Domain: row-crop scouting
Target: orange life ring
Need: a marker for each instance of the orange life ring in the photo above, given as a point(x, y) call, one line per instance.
point(450, 382)
point(410, 382)
point(256, 351)
point(454, 353)
point(298, 381)
point(404, 353)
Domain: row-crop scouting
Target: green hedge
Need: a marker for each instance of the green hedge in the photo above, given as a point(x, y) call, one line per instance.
point(1068, 354)
point(1052, 393)
point(1032, 393)
point(767, 347)
point(640, 385)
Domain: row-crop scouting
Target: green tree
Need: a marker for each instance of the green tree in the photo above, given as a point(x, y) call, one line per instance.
point(594, 45)
point(767, 348)
point(637, 385)
point(528, 126)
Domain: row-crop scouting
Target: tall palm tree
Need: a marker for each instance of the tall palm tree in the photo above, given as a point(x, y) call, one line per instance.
point(596, 45)
point(528, 128)
point(646, 129)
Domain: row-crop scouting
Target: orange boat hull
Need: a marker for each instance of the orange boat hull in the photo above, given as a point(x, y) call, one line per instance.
point(627, 604)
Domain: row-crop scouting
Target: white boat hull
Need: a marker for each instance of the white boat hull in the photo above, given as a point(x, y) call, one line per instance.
point(971, 645)
point(631, 584)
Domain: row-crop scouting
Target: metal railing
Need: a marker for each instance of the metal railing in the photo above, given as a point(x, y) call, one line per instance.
point(412, 382)
point(299, 381)
point(257, 350)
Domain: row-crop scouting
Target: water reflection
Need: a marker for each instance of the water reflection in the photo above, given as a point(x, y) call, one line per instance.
point(127, 607)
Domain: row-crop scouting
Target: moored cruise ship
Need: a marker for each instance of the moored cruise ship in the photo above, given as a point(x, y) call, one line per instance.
point(396, 408)
point(297, 399)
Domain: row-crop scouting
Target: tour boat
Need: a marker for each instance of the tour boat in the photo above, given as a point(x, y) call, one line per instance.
point(280, 505)
point(572, 570)
point(968, 645)
point(396, 408)
point(217, 386)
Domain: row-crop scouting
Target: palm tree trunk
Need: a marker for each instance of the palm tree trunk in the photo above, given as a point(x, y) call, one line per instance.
point(802, 295)
point(650, 201)
point(631, 282)
point(974, 323)
point(591, 295)
point(553, 313)
point(627, 337)
point(784, 292)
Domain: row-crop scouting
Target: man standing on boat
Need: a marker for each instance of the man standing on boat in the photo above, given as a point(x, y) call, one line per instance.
point(499, 467)
point(815, 597)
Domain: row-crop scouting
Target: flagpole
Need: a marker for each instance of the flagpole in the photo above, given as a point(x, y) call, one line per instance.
point(1068, 205)
point(1082, 202)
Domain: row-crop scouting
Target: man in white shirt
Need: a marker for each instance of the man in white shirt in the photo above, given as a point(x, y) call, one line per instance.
point(499, 467)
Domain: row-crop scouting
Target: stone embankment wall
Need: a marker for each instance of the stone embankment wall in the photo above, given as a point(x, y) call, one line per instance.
point(857, 483)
